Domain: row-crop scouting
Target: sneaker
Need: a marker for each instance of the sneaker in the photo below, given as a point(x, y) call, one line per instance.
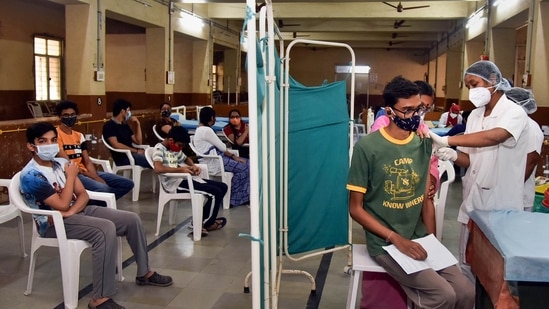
point(156, 279)
point(109, 304)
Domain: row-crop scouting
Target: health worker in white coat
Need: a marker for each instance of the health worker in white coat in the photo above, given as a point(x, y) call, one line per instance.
point(492, 148)
point(525, 99)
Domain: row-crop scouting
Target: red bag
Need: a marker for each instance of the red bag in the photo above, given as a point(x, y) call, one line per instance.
point(381, 291)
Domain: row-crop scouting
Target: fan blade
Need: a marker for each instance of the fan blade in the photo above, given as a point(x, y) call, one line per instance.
point(416, 7)
point(394, 6)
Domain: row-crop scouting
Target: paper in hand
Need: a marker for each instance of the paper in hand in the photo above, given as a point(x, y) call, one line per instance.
point(438, 256)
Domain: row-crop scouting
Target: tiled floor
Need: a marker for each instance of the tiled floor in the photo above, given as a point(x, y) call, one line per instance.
point(207, 274)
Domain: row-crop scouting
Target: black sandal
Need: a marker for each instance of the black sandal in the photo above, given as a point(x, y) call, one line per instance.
point(218, 224)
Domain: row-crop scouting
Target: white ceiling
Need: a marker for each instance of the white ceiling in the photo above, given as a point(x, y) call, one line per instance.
point(367, 23)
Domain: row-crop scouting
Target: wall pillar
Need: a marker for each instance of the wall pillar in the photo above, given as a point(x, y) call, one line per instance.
point(81, 35)
point(503, 50)
point(454, 76)
point(157, 64)
point(201, 73)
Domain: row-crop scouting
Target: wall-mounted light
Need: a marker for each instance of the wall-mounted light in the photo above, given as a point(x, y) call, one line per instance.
point(359, 69)
point(191, 20)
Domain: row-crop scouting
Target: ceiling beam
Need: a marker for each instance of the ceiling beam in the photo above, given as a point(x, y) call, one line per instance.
point(436, 11)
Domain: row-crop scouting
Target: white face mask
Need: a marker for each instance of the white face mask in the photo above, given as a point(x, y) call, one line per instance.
point(47, 152)
point(452, 115)
point(480, 96)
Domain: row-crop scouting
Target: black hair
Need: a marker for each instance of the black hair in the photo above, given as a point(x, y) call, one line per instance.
point(206, 114)
point(399, 88)
point(424, 88)
point(38, 129)
point(179, 134)
point(119, 105)
point(164, 103)
point(65, 105)
point(232, 127)
point(465, 115)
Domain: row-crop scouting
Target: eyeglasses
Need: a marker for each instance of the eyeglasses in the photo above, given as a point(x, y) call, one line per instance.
point(409, 112)
point(234, 116)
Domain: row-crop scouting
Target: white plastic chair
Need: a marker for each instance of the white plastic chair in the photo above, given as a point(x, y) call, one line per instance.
point(197, 199)
point(226, 177)
point(362, 261)
point(133, 168)
point(160, 138)
point(69, 249)
point(361, 258)
point(444, 167)
point(35, 109)
point(359, 131)
point(105, 164)
point(10, 212)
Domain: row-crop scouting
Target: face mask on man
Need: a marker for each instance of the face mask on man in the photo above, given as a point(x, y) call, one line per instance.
point(128, 115)
point(174, 147)
point(480, 96)
point(407, 124)
point(47, 152)
point(69, 121)
point(165, 113)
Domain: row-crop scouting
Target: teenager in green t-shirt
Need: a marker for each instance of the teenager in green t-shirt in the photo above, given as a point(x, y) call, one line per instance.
point(387, 183)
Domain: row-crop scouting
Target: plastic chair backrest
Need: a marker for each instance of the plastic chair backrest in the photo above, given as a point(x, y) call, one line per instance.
point(444, 167)
point(160, 138)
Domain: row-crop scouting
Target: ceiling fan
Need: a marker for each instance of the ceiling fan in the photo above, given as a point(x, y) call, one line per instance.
point(295, 35)
point(401, 8)
point(400, 23)
point(395, 35)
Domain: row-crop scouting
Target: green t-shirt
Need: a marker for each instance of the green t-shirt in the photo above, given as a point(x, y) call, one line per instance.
point(392, 173)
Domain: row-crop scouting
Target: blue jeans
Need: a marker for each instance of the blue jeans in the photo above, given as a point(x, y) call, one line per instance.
point(114, 184)
point(140, 160)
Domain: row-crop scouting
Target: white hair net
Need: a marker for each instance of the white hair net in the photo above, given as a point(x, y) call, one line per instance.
point(524, 98)
point(488, 71)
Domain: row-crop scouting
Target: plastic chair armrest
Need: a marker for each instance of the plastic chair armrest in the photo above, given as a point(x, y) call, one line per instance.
point(108, 198)
point(105, 164)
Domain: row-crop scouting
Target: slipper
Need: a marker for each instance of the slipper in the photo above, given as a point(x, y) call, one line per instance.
point(204, 232)
point(218, 224)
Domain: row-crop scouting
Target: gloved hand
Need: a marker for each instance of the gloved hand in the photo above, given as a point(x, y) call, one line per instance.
point(438, 141)
point(446, 153)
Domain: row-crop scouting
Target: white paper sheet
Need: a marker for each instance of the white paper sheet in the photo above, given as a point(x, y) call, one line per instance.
point(438, 256)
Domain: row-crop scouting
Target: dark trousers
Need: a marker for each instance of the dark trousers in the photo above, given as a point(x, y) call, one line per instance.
point(214, 191)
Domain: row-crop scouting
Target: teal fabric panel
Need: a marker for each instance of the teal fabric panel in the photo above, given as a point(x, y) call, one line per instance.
point(318, 155)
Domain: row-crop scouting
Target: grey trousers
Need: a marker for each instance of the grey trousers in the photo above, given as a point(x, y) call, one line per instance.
point(100, 226)
point(446, 288)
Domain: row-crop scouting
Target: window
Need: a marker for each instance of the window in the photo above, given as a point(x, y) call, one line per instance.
point(47, 68)
point(214, 78)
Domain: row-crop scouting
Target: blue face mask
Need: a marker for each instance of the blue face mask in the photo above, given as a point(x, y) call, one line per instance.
point(47, 152)
point(128, 115)
point(407, 124)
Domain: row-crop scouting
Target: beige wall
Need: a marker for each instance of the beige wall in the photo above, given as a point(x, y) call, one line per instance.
point(19, 20)
point(125, 62)
point(539, 64)
point(311, 67)
point(182, 64)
